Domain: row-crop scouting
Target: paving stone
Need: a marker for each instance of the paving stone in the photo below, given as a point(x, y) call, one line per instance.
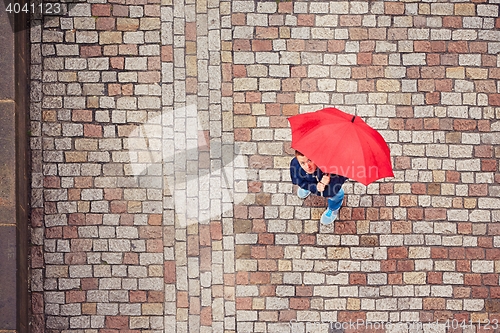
point(125, 220)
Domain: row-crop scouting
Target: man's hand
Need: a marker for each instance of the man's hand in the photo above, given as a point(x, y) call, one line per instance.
point(325, 180)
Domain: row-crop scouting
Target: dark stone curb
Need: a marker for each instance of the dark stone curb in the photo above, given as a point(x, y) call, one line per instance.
point(14, 166)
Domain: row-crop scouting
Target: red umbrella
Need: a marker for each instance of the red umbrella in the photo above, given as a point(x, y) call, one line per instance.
point(343, 144)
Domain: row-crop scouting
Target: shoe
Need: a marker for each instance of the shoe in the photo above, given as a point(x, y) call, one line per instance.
point(329, 216)
point(303, 193)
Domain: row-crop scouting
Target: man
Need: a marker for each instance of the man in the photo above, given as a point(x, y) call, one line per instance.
point(311, 179)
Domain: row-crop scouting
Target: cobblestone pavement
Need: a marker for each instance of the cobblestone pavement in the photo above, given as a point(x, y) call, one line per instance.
point(161, 199)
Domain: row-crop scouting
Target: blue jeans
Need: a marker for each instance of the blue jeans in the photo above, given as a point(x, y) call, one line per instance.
point(335, 202)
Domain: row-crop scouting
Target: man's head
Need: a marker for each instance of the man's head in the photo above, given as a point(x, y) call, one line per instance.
point(305, 163)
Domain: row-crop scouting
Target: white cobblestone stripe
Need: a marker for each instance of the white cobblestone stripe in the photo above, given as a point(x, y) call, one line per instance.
point(199, 157)
point(37, 229)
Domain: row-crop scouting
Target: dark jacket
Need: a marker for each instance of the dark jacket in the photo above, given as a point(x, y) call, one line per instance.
point(309, 181)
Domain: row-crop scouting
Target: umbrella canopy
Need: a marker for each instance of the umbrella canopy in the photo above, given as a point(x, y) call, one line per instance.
point(343, 144)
